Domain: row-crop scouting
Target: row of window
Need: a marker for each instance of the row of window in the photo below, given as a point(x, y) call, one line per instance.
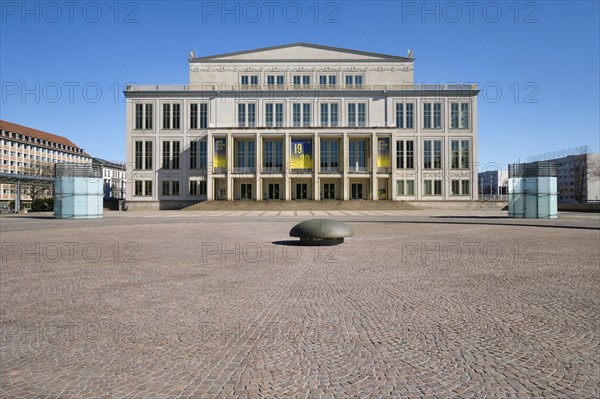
point(35, 140)
point(303, 79)
point(358, 154)
point(403, 187)
point(356, 115)
point(169, 187)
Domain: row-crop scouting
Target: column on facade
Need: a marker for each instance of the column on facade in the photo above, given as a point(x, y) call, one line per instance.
point(258, 165)
point(209, 167)
point(230, 163)
point(393, 160)
point(316, 165)
point(345, 153)
point(374, 185)
point(286, 171)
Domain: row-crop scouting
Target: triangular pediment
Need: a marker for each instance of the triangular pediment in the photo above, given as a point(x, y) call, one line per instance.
point(300, 52)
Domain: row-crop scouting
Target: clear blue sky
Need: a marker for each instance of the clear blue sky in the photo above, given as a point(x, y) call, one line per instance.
point(543, 56)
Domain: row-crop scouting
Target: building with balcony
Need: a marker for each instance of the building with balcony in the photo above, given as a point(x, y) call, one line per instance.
point(300, 122)
point(27, 151)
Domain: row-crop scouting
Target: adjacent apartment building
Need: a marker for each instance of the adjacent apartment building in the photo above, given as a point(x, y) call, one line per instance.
point(578, 178)
point(300, 122)
point(113, 176)
point(27, 151)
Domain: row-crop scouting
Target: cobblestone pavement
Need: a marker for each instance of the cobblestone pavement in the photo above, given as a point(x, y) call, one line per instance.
point(163, 306)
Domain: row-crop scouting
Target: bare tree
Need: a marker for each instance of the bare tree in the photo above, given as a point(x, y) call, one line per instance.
point(40, 189)
point(584, 171)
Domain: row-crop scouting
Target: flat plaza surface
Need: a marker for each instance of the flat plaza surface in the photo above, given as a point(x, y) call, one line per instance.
point(210, 304)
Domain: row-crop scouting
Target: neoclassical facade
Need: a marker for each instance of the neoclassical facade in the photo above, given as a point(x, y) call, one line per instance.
point(300, 122)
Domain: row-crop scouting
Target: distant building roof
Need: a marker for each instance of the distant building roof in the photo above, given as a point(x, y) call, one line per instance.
point(68, 145)
point(109, 164)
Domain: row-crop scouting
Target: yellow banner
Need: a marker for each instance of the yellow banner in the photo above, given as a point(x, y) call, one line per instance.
point(301, 156)
point(383, 153)
point(220, 153)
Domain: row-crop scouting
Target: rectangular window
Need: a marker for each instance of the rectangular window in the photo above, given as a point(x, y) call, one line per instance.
point(405, 154)
point(138, 187)
point(455, 153)
point(247, 115)
point(166, 116)
point(193, 187)
point(279, 115)
point(241, 115)
point(324, 114)
point(251, 115)
point(203, 116)
point(143, 116)
point(306, 80)
point(459, 115)
point(437, 187)
point(273, 114)
point(351, 115)
point(427, 154)
point(202, 154)
point(437, 115)
point(400, 115)
point(148, 187)
point(297, 79)
point(175, 187)
point(437, 154)
point(464, 115)
point(176, 146)
point(323, 80)
point(464, 154)
point(249, 79)
point(193, 116)
point(465, 186)
point(270, 80)
point(454, 116)
point(139, 116)
point(400, 187)
point(400, 154)
point(139, 155)
point(165, 187)
point(460, 154)
point(410, 187)
point(269, 115)
point(455, 187)
point(148, 156)
point(427, 115)
point(193, 155)
point(432, 120)
point(148, 109)
point(166, 154)
point(362, 114)
point(306, 115)
point(409, 115)
point(296, 114)
point(354, 80)
point(427, 187)
point(176, 116)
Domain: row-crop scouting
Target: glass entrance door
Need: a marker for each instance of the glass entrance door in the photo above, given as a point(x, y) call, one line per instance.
point(301, 191)
point(328, 191)
point(356, 191)
point(273, 190)
point(246, 191)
